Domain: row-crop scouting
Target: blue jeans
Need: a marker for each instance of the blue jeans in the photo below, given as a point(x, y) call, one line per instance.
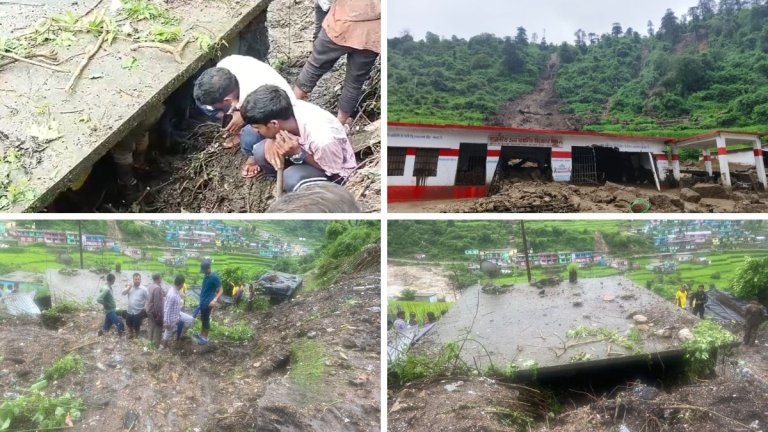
point(112, 318)
point(249, 138)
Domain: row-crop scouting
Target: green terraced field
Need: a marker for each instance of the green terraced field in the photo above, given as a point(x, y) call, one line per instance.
point(39, 258)
point(724, 263)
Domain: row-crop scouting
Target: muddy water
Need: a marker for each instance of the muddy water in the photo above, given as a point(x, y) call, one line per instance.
point(420, 278)
point(522, 325)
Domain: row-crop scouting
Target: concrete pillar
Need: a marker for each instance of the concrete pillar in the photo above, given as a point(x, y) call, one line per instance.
point(758, 148)
point(722, 158)
point(707, 162)
point(675, 163)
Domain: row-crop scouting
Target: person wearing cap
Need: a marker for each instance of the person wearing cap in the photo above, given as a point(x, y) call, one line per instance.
point(209, 298)
point(681, 297)
point(155, 309)
point(219, 92)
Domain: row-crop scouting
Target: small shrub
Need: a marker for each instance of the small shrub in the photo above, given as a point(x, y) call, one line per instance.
point(71, 363)
point(702, 351)
point(408, 294)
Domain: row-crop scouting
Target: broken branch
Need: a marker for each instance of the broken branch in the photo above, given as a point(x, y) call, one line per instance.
point(84, 63)
point(175, 51)
point(32, 62)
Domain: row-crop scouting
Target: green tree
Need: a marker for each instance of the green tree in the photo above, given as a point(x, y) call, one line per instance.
point(751, 279)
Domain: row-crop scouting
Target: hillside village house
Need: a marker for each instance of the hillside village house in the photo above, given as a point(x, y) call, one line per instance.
point(426, 162)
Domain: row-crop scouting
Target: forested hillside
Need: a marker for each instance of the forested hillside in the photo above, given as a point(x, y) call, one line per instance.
point(456, 80)
point(447, 240)
point(704, 70)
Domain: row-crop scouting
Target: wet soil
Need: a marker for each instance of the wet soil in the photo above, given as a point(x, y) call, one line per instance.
point(527, 196)
point(430, 278)
point(541, 108)
point(225, 385)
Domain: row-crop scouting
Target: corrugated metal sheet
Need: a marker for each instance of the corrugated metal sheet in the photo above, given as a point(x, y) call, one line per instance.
point(20, 303)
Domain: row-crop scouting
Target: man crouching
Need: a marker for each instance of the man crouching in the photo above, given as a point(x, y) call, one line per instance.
point(313, 139)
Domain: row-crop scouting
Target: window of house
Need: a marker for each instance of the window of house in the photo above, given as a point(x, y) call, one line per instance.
point(425, 164)
point(396, 161)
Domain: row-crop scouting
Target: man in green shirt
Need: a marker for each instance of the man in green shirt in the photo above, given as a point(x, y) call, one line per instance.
point(107, 299)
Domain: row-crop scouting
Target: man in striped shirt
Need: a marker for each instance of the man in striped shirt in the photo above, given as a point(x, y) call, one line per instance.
point(172, 314)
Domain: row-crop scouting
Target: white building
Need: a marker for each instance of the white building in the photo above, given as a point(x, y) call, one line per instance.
point(452, 161)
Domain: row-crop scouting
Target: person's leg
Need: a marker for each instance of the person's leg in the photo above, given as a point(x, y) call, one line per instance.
point(249, 137)
point(107, 323)
point(259, 158)
point(114, 319)
point(296, 176)
point(325, 54)
point(747, 330)
point(320, 15)
point(205, 318)
point(359, 66)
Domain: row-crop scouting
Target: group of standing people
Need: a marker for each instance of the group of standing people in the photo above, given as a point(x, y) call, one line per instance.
point(754, 313)
point(163, 309)
point(694, 302)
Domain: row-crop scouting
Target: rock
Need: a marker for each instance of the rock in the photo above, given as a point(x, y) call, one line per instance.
point(646, 392)
point(609, 297)
point(640, 319)
point(689, 195)
point(131, 417)
point(312, 335)
point(578, 304)
point(348, 343)
point(612, 187)
point(453, 387)
point(643, 327)
point(665, 333)
point(710, 190)
point(685, 335)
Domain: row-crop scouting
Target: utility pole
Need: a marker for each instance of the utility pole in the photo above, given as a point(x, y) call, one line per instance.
point(525, 245)
point(80, 234)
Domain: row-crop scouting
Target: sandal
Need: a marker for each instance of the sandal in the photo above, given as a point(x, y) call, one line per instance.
point(250, 169)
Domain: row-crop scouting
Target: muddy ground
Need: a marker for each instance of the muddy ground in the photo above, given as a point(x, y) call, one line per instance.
point(541, 108)
point(734, 400)
point(195, 174)
point(420, 278)
point(530, 196)
point(226, 385)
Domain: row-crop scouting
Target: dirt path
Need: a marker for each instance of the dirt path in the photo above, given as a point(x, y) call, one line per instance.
point(540, 108)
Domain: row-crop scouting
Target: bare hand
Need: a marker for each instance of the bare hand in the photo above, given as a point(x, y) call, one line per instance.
point(212, 304)
point(236, 123)
point(288, 143)
point(273, 155)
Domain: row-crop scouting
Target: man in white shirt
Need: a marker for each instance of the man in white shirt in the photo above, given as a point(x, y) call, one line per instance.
point(219, 91)
point(313, 139)
point(137, 299)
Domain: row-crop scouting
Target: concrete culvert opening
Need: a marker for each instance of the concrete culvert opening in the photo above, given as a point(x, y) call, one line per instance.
point(186, 169)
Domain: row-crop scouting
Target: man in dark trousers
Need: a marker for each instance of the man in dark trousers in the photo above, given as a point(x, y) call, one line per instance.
point(155, 305)
point(697, 301)
point(209, 298)
point(753, 317)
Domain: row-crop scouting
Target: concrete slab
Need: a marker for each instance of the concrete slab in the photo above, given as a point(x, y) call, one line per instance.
point(114, 101)
point(523, 326)
point(84, 285)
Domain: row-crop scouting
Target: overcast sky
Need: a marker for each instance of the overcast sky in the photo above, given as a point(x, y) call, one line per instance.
point(560, 18)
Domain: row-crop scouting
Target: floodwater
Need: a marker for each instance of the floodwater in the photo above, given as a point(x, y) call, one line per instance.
point(522, 326)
